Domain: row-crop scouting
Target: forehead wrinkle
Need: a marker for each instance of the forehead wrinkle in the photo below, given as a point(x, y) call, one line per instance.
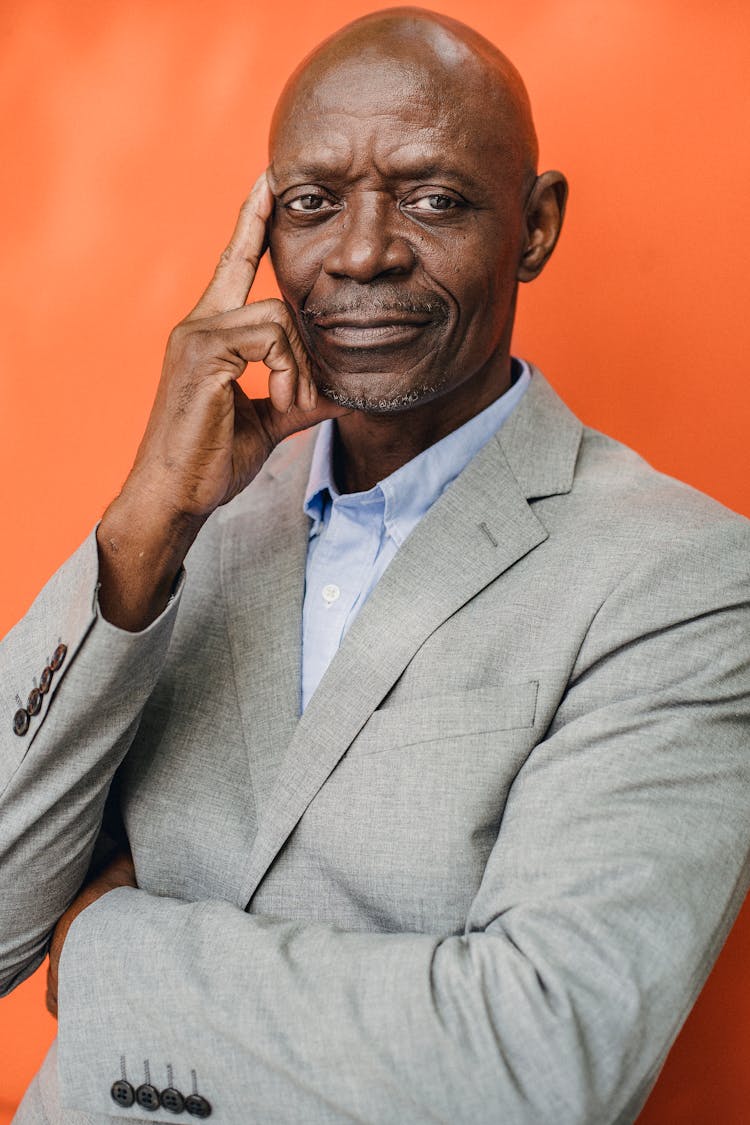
point(342, 91)
point(430, 151)
point(361, 150)
point(316, 121)
point(313, 164)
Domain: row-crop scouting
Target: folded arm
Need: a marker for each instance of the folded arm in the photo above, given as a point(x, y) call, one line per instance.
point(621, 862)
point(55, 778)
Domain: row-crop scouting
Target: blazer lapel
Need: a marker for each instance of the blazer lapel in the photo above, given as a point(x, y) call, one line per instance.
point(480, 526)
point(264, 550)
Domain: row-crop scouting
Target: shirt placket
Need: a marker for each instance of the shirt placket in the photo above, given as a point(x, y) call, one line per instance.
point(343, 559)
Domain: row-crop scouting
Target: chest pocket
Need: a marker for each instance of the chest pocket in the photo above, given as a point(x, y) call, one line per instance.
point(467, 714)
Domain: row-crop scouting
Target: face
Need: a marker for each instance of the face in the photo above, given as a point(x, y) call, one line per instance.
point(397, 231)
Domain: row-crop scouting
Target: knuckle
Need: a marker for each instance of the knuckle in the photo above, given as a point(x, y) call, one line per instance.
point(250, 260)
point(176, 342)
point(277, 333)
point(198, 344)
point(188, 344)
point(182, 342)
point(284, 316)
point(277, 307)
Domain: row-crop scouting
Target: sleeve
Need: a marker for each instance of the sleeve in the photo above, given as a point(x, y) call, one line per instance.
point(620, 865)
point(73, 688)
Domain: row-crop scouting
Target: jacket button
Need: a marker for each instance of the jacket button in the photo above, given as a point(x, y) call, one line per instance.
point(122, 1093)
point(147, 1096)
point(34, 702)
point(45, 680)
point(57, 657)
point(172, 1100)
point(21, 721)
point(197, 1105)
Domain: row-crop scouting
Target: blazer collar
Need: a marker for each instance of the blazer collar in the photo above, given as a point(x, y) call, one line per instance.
point(481, 526)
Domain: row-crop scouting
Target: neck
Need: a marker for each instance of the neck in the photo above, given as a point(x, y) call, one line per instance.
point(369, 447)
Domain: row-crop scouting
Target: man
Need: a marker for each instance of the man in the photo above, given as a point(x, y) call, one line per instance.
point(485, 872)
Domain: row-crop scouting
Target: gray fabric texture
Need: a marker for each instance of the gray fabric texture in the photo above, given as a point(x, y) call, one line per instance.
point(484, 876)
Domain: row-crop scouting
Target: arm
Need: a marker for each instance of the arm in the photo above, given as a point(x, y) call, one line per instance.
point(620, 864)
point(117, 872)
point(54, 780)
point(110, 604)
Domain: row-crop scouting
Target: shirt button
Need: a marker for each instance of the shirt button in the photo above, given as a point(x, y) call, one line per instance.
point(330, 593)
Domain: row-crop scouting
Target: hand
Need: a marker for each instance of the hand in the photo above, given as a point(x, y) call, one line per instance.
point(120, 872)
point(205, 439)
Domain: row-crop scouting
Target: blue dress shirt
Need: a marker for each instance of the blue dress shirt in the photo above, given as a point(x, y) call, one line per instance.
point(354, 537)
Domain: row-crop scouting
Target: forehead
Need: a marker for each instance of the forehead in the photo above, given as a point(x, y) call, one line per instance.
point(385, 110)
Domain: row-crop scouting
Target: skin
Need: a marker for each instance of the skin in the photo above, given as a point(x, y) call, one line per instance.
point(401, 207)
point(399, 237)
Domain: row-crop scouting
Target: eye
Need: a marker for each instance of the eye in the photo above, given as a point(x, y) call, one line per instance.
point(435, 201)
point(309, 203)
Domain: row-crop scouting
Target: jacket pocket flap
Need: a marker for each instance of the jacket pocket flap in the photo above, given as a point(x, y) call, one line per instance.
point(433, 718)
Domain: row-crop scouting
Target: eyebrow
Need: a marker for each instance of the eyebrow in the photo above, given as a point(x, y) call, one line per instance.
point(303, 172)
point(431, 169)
point(419, 171)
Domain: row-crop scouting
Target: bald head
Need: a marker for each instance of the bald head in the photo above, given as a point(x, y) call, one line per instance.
point(439, 59)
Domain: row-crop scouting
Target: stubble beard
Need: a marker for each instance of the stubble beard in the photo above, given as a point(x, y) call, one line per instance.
point(383, 302)
point(378, 404)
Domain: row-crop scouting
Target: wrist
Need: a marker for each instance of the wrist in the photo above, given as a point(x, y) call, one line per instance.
point(142, 544)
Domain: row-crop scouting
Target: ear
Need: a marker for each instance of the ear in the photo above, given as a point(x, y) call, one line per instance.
point(543, 218)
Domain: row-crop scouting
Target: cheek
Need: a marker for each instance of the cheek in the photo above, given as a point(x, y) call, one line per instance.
point(483, 286)
point(473, 264)
point(479, 286)
point(294, 265)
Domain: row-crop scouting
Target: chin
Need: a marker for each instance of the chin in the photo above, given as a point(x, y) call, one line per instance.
point(373, 395)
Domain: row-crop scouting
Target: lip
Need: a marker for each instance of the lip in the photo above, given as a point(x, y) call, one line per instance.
point(363, 332)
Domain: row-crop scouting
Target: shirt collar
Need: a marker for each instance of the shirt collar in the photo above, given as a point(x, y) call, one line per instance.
point(413, 488)
point(320, 482)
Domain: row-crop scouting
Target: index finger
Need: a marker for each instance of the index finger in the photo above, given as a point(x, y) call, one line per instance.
point(238, 264)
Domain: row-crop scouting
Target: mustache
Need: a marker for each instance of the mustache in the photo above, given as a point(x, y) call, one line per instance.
point(384, 304)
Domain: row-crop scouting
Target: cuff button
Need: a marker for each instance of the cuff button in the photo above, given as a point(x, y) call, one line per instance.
point(147, 1096)
point(45, 680)
point(122, 1093)
point(172, 1100)
point(57, 657)
point(197, 1106)
point(21, 721)
point(34, 702)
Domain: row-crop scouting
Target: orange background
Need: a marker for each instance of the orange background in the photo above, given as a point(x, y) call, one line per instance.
point(130, 133)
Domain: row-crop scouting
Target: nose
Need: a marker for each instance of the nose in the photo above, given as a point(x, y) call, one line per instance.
point(367, 242)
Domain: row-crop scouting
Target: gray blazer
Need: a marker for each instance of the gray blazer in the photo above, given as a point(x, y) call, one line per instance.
point(484, 876)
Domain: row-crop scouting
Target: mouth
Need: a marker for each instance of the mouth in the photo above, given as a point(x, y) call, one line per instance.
point(357, 331)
